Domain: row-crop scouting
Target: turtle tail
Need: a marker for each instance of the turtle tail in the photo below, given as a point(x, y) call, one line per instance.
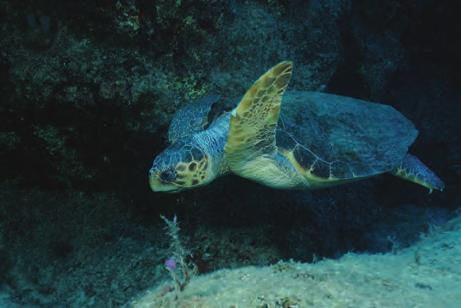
point(413, 170)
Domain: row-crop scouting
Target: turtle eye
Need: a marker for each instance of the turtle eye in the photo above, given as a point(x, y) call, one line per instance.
point(168, 175)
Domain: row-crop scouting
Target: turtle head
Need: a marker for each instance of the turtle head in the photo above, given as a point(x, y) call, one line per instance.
point(183, 165)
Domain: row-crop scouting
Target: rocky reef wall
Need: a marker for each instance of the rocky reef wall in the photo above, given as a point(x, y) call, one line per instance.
point(87, 92)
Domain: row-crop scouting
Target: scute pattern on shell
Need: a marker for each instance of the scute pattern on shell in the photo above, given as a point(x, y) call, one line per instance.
point(346, 136)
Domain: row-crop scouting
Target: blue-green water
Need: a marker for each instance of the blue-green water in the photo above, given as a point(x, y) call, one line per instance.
point(89, 90)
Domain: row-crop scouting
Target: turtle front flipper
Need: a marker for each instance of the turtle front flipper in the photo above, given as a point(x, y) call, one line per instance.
point(413, 170)
point(191, 118)
point(254, 121)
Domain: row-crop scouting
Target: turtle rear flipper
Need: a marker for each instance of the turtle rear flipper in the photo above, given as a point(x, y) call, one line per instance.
point(254, 121)
point(413, 170)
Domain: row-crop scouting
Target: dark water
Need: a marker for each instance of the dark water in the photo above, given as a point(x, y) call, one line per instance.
point(88, 89)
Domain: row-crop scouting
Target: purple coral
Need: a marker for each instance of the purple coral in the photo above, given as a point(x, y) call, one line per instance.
point(170, 264)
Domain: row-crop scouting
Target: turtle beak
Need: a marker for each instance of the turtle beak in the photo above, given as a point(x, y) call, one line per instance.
point(156, 185)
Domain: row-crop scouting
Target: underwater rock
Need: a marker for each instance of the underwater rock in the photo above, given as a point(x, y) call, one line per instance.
point(413, 276)
point(131, 81)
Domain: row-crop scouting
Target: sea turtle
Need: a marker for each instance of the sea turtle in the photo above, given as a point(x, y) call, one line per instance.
point(292, 140)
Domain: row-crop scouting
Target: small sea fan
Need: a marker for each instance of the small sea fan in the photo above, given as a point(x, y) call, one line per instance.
point(179, 265)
